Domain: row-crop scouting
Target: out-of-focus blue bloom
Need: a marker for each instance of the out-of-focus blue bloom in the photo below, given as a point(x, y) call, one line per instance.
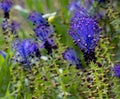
point(43, 32)
point(37, 19)
point(49, 41)
point(3, 54)
point(116, 71)
point(25, 50)
point(14, 26)
point(77, 5)
point(71, 56)
point(6, 5)
point(74, 5)
point(5, 25)
point(85, 31)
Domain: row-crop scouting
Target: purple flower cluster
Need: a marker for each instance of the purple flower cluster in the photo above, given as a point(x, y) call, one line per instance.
point(13, 26)
point(37, 19)
point(71, 56)
point(6, 5)
point(25, 50)
point(43, 30)
point(116, 71)
point(85, 32)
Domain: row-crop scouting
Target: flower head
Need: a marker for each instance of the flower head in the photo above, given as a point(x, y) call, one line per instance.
point(85, 31)
point(14, 26)
point(43, 32)
point(6, 5)
point(71, 56)
point(37, 19)
point(25, 50)
point(116, 71)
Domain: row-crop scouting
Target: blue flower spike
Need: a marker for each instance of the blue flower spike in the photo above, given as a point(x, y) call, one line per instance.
point(25, 51)
point(85, 32)
point(71, 56)
point(6, 5)
point(116, 71)
point(37, 19)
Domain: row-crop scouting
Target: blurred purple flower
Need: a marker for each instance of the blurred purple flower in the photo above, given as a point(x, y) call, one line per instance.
point(6, 5)
point(25, 50)
point(14, 26)
point(43, 32)
point(116, 71)
point(37, 19)
point(71, 56)
point(3, 54)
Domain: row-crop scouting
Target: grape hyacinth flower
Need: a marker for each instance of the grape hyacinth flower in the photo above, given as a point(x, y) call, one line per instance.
point(43, 31)
point(26, 51)
point(71, 56)
point(37, 19)
point(6, 5)
point(86, 33)
point(116, 71)
point(3, 54)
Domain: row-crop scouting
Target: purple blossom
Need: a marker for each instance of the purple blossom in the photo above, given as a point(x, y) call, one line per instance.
point(116, 71)
point(37, 19)
point(43, 32)
point(25, 50)
point(85, 32)
point(3, 54)
point(14, 26)
point(77, 5)
point(6, 5)
point(71, 56)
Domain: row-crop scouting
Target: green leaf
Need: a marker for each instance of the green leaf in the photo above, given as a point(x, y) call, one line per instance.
point(4, 75)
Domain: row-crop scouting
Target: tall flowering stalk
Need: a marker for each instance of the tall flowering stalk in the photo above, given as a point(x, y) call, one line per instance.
point(43, 31)
point(7, 26)
point(85, 32)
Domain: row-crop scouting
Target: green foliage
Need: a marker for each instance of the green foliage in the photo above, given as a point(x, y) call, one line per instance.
point(4, 75)
point(54, 78)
